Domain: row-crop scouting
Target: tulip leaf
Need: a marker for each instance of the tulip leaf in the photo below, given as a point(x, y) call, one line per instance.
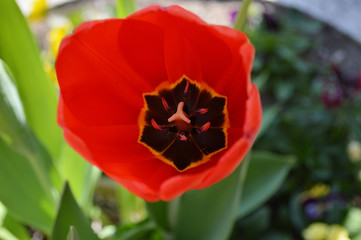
point(22, 191)
point(72, 234)
point(266, 173)
point(140, 231)
point(10, 228)
point(208, 214)
point(82, 176)
point(70, 214)
point(14, 130)
point(158, 212)
point(20, 51)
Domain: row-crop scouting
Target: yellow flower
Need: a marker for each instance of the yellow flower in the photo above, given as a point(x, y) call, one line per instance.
point(55, 36)
point(337, 232)
point(316, 231)
point(354, 151)
point(319, 190)
point(322, 231)
point(39, 8)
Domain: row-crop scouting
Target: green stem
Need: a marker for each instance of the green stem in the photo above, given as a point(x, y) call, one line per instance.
point(243, 174)
point(124, 8)
point(242, 15)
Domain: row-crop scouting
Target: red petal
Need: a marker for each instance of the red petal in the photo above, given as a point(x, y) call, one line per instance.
point(141, 44)
point(137, 188)
point(115, 150)
point(183, 182)
point(191, 48)
point(96, 82)
point(236, 153)
point(236, 82)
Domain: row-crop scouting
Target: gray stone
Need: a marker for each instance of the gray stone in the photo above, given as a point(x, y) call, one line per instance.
point(344, 15)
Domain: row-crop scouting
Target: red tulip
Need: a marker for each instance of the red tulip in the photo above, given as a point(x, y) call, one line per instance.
point(160, 101)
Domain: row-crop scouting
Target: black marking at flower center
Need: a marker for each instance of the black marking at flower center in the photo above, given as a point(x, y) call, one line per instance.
point(184, 124)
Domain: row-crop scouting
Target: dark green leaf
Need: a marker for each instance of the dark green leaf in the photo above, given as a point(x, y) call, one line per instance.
point(69, 214)
point(261, 79)
point(19, 50)
point(266, 173)
point(253, 225)
point(276, 236)
point(209, 213)
point(158, 212)
point(269, 115)
point(136, 231)
point(72, 234)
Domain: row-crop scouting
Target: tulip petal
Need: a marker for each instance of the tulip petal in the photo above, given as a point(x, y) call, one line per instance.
point(94, 77)
point(191, 48)
point(236, 152)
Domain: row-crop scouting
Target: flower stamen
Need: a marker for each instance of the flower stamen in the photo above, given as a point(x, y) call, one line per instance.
point(182, 137)
point(185, 93)
point(204, 127)
point(157, 126)
point(202, 110)
point(165, 105)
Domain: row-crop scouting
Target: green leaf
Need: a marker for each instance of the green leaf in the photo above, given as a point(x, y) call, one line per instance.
point(10, 228)
point(131, 207)
point(136, 231)
point(124, 8)
point(82, 176)
point(20, 51)
point(158, 212)
point(26, 169)
point(261, 79)
point(209, 213)
point(265, 175)
point(269, 115)
point(70, 214)
point(18, 136)
point(72, 234)
point(251, 226)
point(22, 192)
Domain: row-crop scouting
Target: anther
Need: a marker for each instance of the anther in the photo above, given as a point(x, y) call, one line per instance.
point(204, 127)
point(179, 115)
point(157, 126)
point(165, 105)
point(185, 93)
point(182, 137)
point(202, 110)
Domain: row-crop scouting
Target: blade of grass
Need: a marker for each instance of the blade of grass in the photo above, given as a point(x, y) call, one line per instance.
point(242, 15)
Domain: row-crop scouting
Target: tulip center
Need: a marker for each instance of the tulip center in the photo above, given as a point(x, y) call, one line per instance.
point(184, 124)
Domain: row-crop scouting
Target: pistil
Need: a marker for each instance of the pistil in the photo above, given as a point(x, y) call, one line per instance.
point(181, 119)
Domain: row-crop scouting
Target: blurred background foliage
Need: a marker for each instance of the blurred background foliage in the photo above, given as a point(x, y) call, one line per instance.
point(301, 181)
